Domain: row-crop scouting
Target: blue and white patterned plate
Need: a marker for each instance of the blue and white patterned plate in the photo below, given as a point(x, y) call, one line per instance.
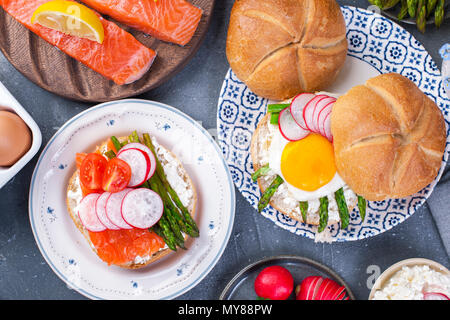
point(376, 45)
point(66, 250)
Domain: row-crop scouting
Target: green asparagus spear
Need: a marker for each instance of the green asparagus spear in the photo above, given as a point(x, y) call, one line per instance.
point(304, 209)
point(378, 3)
point(179, 238)
point(110, 154)
point(268, 193)
point(172, 193)
point(117, 144)
point(323, 214)
point(274, 108)
point(134, 137)
point(421, 20)
point(262, 171)
point(387, 4)
point(412, 7)
point(274, 117)
point(342, 207)
point(431, 4)
point(403, 10)
point(439, 13)
point(362, 207)
point(178, 216)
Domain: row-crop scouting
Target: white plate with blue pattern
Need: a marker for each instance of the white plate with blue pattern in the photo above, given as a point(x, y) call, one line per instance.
point(64, 247)
point(376, 45)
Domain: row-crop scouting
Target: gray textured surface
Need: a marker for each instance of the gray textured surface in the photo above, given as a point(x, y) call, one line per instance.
point(24, 273)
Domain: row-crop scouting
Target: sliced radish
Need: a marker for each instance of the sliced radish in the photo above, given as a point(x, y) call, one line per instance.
point(87, 214)
point(100, 209)
point(308, 112)
point(297, 106)
point(139, 163)
point(435, 296)
point(113, 208)
point(322, 116)
point(289, 129)
point(320, 105)
point(327, 127)
point(143, 147)
point(142, 208)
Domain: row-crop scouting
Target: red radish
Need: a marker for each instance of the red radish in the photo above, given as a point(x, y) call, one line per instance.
point(327, 127)
point(100, 209)
point(113, 209)
point(274, 283)
point(321, 118)
point(435, 296)
point(87, 214)
point(308, 111)
point(140, 146)
point(320, 105)
point(319, 288)
point(139, 163)
point(297, 105)
point(289, 129)
point(142, 208)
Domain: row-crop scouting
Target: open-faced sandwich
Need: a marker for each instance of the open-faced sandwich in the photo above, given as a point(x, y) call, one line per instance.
point(318, 156)
point(132, 200)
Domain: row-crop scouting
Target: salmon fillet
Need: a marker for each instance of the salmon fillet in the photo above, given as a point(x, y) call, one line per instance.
point(168, 20)
point(120, 57)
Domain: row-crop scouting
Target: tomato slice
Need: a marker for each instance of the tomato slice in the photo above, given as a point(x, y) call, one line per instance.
point(92, 170)
point(117, 175)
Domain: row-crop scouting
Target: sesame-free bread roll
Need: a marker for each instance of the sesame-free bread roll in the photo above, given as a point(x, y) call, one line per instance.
point(389, 138)
point(280, 48)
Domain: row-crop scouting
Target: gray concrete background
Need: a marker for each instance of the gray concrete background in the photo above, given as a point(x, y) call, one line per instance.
point(24, 274)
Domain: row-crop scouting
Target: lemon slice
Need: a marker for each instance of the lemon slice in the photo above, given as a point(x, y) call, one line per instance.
point(71, 18)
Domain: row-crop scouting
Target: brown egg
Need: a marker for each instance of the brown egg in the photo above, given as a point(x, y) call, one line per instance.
point(15, 138)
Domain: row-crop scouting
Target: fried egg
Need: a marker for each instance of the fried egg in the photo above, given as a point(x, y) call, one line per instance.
point(307, 166)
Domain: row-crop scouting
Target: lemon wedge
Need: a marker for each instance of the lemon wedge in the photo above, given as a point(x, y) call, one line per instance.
point(71, 18)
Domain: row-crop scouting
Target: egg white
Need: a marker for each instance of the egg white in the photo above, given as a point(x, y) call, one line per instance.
point(275, 151)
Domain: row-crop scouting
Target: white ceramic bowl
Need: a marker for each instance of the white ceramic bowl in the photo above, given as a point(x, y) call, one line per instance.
point(389, 272)
point(8, 102)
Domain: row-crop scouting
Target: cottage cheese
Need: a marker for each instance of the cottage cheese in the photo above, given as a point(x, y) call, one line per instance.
point(410, 283)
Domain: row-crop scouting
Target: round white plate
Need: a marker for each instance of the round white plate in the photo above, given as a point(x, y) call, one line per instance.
point(64, 247)
point(376, 45)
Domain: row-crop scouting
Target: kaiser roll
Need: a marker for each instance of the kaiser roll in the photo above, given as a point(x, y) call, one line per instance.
point(389, 138)
point(280, 48)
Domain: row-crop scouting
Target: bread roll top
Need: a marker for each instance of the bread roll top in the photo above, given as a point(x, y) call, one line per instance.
point(283, 47)
point(389, 138)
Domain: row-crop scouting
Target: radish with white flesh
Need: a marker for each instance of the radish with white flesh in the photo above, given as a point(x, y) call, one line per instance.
point(289, 129)
point(114, 206)
point(322, 116)
point(327, 127)
point(139, 163)
point(434, 296)
point(142, 208)
point(100, 209)
point(320, 105)
point(87, 214)
point(308, 111)
point(142, 147)
point(297, 106)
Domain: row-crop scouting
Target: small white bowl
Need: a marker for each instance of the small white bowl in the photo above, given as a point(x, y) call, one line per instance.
point(389, 272)
point(9, 103)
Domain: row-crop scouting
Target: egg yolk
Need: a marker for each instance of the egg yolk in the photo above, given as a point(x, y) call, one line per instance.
point(308, 164)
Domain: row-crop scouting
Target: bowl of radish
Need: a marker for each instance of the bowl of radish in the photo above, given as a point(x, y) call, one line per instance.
point(286, 277)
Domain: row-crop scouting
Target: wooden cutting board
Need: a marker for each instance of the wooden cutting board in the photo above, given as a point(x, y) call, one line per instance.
point(56, 72)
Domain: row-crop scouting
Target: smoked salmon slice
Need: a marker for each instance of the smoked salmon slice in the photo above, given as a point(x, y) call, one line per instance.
point(123, 246)
point(120, 57)
point(168, 20)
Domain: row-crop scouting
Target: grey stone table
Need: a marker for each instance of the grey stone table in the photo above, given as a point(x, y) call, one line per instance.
point(24, 274)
